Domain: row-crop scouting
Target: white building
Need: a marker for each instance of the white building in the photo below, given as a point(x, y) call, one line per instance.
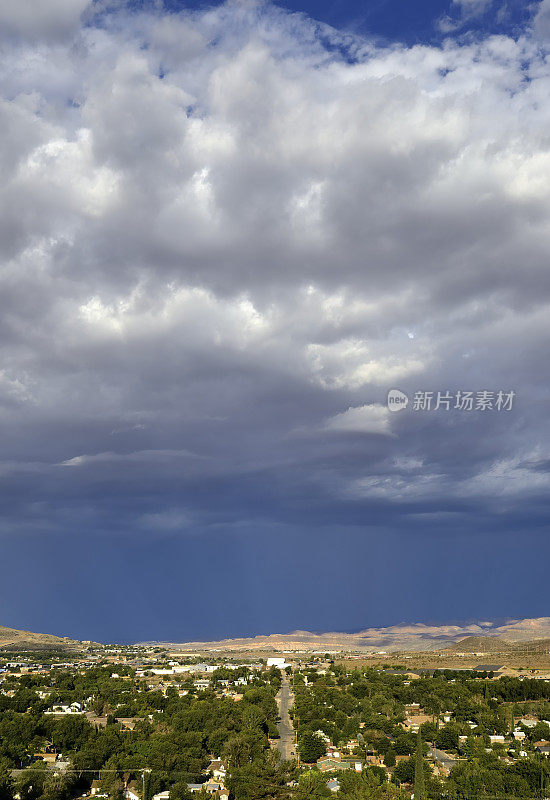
point(280, 663)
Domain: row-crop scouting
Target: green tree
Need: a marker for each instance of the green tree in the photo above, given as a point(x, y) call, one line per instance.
point(366, 785)
point(447, 738)
point(540, 731)
point(419, 781)
point(240, 749)
point(180, 791)
point(6, 782)
point(312, 785)
point(31, 782)
point(312, 747)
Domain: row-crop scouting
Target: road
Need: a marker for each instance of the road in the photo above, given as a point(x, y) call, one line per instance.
point(285, 743)
point(447, 761)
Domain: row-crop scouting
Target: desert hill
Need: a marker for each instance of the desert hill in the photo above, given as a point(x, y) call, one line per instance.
point(534, 647)
point(13, 639)
point(485, 644)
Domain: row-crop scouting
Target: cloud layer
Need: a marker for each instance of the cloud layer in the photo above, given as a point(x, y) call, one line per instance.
point(225, 235)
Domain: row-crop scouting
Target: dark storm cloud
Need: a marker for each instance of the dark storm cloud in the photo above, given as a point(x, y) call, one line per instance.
point(222, 244)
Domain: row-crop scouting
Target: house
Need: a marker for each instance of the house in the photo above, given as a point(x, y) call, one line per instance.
point(414, 722)
point(48, 753)
point(333, 785)
point(542, 747)
point(98, 722)
point(201, 685)
point(224, 794)
point(48, 747)
point(280, 663)
point(497, 739)
point(212, 786)
point(64, 708)
point(162, 795)
point(59, 708)
point(218, 768)
point(194, 787)
point(95, 790)
point(326, 764)
point(489, 668)
point(132, 792)
point(49, 758)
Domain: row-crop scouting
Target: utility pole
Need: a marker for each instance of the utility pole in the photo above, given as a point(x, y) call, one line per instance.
point(143, 772)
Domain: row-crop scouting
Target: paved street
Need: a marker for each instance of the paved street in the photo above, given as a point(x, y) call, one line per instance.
point(444, 759)
point(286, 732)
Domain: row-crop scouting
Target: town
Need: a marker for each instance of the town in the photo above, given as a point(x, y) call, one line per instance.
point(144, 723)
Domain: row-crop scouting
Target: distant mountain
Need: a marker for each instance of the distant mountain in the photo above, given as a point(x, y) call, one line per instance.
point(12, 639)
point(418, 636)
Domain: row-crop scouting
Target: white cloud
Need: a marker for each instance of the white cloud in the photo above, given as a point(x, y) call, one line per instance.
point(542, 19)
point(349, 363)
point(145, 456)
point(50, 19)
point(503, 480)
point(466, 11)
point(363, 419)
point(215, 223)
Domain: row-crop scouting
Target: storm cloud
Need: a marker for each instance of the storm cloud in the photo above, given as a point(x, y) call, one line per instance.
point(226, 234)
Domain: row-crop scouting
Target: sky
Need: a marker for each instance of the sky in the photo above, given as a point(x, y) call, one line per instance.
point(227, 232)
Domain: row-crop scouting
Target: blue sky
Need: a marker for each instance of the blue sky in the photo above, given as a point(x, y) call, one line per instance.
point(270, 581)
point(228, 232)
point(408, 22)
